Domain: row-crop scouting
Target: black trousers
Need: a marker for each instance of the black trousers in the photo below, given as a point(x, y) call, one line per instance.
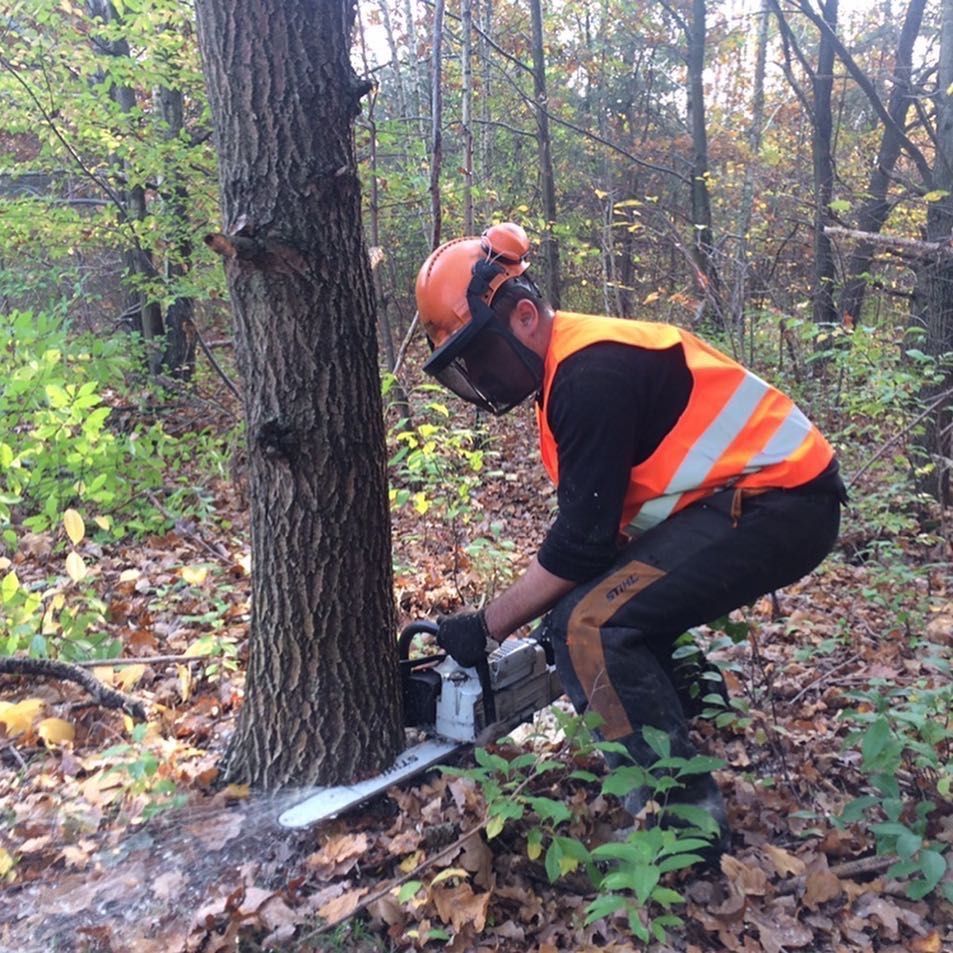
point(613, 636)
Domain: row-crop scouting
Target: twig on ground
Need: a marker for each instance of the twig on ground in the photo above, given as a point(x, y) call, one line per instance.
point(145, 660)
point(51, 668)
point(215, 551)
point(822, 678)
point(861, 867)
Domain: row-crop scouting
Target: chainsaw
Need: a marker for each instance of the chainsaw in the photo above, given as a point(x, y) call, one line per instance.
point(454, 707)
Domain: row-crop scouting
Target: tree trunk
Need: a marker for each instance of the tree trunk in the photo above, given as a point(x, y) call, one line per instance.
point(933, 302)
point(139, 265)
point(436, 114)
point(550, 247)
point(706, 274)
point(466, 128)
point(180, 331)
point(876, 206)
point(322, 699)
point(825, 311)
point(747, 192)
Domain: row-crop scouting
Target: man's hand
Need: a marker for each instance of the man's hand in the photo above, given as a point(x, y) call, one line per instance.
point(463, 636)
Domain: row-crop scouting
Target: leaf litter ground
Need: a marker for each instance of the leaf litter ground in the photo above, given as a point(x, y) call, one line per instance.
point(85, 868)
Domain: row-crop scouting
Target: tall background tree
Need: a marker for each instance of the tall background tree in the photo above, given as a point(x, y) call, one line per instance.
point(322, 701)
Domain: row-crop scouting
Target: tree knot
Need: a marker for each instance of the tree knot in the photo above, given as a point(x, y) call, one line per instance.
point(277, 438)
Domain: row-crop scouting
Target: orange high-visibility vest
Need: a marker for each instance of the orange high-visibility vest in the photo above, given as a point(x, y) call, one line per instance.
point(736, 430)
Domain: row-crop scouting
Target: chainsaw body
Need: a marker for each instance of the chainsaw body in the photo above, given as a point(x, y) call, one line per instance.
point(455, 707)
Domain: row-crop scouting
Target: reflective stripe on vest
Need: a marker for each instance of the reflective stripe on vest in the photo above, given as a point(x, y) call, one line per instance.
point(736, 430)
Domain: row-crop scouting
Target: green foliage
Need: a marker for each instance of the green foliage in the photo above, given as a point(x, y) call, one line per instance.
point(435, 465)
point(57, 450)
point(906, 732)
point(628, 874)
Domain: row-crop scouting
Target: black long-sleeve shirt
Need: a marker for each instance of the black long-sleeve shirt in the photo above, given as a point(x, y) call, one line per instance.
point(610, 406)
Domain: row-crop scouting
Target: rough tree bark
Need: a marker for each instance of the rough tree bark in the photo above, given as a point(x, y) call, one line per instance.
point(550, 247)
point(875, 208)
point(322, 702)
point(933, 301)
point(825, 311)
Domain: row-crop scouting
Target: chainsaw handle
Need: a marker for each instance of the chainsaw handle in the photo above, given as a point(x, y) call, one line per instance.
point(420, 627)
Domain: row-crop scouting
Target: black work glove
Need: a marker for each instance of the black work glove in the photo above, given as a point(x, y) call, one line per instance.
point(463, 636)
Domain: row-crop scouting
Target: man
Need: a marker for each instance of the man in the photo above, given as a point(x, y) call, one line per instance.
point(686, 485)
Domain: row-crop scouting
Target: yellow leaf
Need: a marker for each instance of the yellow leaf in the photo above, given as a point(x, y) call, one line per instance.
point(411, 862)
point(5, 563)
point(185, 681)
point(197, 648)
point(534, 849)
point(57, 602)
point(448, 873)
point(237, 792)
point(494, 826)
point(936, 195)
point(128, 675)
point(105, 674)
point(6, 862)
point(103, 522)
point(75, 567)
point(653, 296)
point(55, 731)
point(129, 575)
point(19, 717)
point(75, 527)
point(194, 575)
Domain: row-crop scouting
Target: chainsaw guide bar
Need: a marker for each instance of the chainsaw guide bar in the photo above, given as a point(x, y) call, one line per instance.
point(326, 803)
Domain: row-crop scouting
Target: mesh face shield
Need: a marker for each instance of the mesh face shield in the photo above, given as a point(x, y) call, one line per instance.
point(484, 363)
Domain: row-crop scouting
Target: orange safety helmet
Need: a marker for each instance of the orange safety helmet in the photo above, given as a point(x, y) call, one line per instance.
point(475, 355)
point(443, 282)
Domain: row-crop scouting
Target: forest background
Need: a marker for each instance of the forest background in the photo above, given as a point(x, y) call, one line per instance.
point(777, 176)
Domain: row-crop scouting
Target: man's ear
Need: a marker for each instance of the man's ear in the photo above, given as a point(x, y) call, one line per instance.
point(524, 319)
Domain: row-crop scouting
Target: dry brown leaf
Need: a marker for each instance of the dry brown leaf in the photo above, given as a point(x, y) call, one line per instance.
point(460, 906)
point(927, 944)
point(821, 884)
point(748, 878)
point(883, 910)
point(478, 859)
point(338, 855)
point(343, 906)
point(778, 931)
point(785, 862)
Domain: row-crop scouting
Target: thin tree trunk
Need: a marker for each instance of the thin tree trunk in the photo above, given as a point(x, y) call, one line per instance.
point(755, 129)
point(875, 208)
point(706, 274)
point(486, 127)
point(436, 126)
point(322, 696)
point(550, 246)
point(466, 129)
point(138, 262)
point(825, 312)
point(180, 331)
point(933, 302)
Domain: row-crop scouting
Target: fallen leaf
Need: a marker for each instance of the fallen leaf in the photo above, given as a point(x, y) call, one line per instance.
point(55, 731)
point(926, 944)
point(18, 716)
point(460, 906)
point(168, 885)
point(870, 905)
point(128, 675)
point(338, 855)
point(194, 575)
point(6, 862)
point(784, 861)
point(343, 906)
point(749, 879)
point(821, 884)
